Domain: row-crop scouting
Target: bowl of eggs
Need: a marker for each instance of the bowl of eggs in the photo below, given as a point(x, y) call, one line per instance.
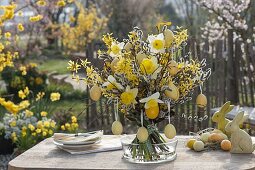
point(209, 139)
point(137, 152)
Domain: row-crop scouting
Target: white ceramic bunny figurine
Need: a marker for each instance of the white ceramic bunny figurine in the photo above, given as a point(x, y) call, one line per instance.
point(240, 140)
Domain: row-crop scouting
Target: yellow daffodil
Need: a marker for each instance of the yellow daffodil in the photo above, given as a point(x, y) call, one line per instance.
point(44, 114)
point(31, 127)
point(24, 104)
point(74, 119)
point(21, 94)
point(20, 27)
point(116, 49)
point(61, 3)
point(55, 96)
point(7, 35)
point(28, 113)
point(128, 97)
point(63, 127)
point(150, 66)
point(38, 130)
point(112, 84)
point(151, 101)
point(157, 43)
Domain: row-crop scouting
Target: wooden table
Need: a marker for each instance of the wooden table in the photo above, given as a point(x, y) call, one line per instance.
point(46, 155)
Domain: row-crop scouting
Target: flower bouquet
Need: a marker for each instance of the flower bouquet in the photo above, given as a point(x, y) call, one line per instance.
point(145, 78)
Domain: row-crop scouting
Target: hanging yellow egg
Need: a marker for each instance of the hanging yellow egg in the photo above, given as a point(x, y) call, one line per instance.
point(114, 64)
point(170, 131)
point(173, 68)
point(95, 93)
point(128, 46)
point(140, 56)
point(117, 128)
point(169, 37)
point(142, 134)
point(152, 112)
point(173, 94)
point(201, 100)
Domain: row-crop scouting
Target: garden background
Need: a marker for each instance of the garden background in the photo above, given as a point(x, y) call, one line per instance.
point(39, 37)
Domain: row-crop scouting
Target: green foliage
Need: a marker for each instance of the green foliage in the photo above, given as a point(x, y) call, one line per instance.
point(54, 65)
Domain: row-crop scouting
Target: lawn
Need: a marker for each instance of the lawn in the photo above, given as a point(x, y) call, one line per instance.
point(54, 65)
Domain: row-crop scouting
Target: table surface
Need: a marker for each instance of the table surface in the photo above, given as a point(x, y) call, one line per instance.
point(46, 155)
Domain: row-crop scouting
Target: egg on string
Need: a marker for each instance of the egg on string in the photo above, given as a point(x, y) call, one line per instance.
point(142, 133)
point(117, 128)
point(114, 64)
point(173, 93)
point(169, 37)
point(140, 56)
point(128, 46)
point(152, 112)
point(95, 93)
point(201, 100)
point(173, 68)
point(169, 131)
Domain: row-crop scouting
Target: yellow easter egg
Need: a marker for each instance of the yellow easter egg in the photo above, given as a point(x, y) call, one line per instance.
point(140, 56)
point(142, 134)
point(225, 145)
point(95, 93)
point(152, 112)
point(117, 128)
point(190, 143)
point(173, 68)
point(169, 37)
point(114, 64)
point(173, 93)
point(128, 46)
point(201, 100)
point(198, 146)
point(170, 131)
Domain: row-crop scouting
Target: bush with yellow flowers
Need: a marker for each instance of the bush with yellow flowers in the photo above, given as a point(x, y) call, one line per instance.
point(29, 121)
point(17, 78)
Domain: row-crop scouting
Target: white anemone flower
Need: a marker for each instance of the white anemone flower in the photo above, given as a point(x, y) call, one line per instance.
point(151, 101)
point(112, 83)
point(116, 49)
point(157, 43)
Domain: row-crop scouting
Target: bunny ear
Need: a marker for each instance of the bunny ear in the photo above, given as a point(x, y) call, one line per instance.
point(231, 107)
point(239, 117)
point(225, 107)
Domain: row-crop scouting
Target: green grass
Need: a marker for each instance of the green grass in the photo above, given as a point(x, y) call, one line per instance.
point(54, 65)
point(76, 105)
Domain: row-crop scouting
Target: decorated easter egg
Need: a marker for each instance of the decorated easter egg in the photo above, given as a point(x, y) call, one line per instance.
point(173, 68)
point(198, 146)
point(204, 137)
point(225, 145)
point(216, 131)
point(140, 56)
point(173, 93)
point(215, 137)
point(201, 100)
point(170, 131)
point(142, 134)
point(128, 46)
point(95, 93)
point(224, 136)
point(152, 112)
point(114, 64)
point(169, 37)
point(117, 128)
point(190, 143)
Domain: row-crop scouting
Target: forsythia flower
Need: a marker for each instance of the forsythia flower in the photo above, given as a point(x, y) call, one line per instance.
point(61, 3)
point(73, 66)
point(41, 3)
point(36, 18)
point(55, 96)
point(39, 96)
point(20, 27)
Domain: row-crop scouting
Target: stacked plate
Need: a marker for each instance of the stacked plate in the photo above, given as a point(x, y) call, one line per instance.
point(77, 141)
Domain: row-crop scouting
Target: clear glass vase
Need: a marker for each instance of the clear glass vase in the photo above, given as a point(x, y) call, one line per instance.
point(148, 153)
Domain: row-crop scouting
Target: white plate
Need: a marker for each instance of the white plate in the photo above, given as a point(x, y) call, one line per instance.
point(75, 147)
